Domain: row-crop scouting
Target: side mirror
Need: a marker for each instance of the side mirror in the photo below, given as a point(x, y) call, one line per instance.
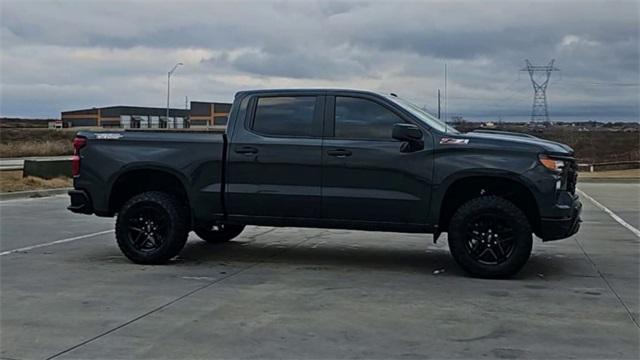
point(410, 134)
point(406, 132)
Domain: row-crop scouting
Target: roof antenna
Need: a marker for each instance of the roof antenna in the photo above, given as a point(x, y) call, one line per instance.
point(393, 94)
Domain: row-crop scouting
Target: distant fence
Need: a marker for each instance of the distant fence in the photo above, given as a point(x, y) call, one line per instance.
point(614, 165)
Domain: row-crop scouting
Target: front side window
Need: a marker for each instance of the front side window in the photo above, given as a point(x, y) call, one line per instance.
point(357, 118)
point(285, 116)
point(423, 115)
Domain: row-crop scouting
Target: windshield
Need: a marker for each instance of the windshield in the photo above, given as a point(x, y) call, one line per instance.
point(423, 116)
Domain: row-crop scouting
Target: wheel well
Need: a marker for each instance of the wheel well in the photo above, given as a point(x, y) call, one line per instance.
point(138, 181)
point(466, 189)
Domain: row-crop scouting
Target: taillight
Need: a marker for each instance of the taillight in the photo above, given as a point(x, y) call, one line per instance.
point(78, 143)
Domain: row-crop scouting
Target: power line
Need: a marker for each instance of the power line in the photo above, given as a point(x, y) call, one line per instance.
point(539, 109)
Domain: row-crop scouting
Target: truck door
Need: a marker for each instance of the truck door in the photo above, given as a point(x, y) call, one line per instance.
point(274, 159)
point(366, 177)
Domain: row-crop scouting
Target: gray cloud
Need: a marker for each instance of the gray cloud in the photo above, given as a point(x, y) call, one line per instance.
point(59, 55)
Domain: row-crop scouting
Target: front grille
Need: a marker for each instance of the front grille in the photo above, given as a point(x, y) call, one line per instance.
point(571, 176)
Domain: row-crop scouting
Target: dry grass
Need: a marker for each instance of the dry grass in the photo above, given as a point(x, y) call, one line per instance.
point(13, 181)
point(596, 146)
point(36, 148)
point(35, 142)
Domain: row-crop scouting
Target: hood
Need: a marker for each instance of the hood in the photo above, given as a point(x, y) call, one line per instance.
point(521, 139)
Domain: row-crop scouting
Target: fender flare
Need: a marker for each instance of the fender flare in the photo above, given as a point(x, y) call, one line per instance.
point(148, 166)
point(440, 190)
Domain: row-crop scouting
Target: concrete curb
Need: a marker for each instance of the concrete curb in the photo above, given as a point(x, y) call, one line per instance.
point(32, 193)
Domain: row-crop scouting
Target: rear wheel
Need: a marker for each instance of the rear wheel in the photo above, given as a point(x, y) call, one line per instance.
point(490, 237)
point(218, 233)
point(152, 228)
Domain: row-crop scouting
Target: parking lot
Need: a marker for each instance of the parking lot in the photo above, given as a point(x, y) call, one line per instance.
point(67, 292)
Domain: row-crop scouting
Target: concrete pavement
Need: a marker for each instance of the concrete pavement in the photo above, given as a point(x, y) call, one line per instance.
point(309, 293)
point(621, 198)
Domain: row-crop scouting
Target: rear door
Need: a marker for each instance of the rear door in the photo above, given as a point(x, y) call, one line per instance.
point(365, 175)
point(275, 157)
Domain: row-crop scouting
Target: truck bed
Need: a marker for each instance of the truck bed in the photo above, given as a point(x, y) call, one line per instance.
point(193, 157)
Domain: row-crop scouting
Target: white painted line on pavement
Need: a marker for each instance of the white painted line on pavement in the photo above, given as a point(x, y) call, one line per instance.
point(27, 248)
point(615, 217)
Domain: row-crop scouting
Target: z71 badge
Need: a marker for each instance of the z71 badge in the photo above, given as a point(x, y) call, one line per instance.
point(452, 141)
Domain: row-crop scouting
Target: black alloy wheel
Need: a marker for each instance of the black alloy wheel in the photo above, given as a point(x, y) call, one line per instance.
point(148, 226)
point(490, 237)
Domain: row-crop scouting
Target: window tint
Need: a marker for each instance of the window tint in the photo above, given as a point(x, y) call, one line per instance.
point(363, 119)
point(289, 116)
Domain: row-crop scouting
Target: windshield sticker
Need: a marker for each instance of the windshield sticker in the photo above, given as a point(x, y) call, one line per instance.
point(108, 136)
point(452, 141)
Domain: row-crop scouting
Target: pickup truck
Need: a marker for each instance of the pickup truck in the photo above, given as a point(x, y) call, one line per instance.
point(326, 158)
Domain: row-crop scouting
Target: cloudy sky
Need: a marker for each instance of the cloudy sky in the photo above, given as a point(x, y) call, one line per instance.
point(62, 55)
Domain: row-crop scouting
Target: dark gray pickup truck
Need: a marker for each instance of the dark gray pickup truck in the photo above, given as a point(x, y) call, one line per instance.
point(332, 159)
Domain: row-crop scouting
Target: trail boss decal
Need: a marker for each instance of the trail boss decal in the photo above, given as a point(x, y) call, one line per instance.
point(452, 141)
point(108, 136)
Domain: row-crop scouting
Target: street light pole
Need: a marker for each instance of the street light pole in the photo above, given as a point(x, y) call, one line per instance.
point(169, 86)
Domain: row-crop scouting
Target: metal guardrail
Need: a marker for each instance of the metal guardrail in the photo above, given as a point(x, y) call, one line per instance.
point(612, 165)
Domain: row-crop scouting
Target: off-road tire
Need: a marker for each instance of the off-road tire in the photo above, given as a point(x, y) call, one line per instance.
point(222, 233)
point(460, 237)
point(174, 225)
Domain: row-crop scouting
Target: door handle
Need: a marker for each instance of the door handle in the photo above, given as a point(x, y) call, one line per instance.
point(246, 150)
point(341, 153)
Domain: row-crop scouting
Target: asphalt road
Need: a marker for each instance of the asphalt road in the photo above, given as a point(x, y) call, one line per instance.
point(307, 293)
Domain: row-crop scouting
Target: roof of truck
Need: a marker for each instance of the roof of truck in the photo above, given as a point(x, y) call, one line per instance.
point(309, 90)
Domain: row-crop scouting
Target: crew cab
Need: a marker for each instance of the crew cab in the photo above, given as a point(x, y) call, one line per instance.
point(327, 158)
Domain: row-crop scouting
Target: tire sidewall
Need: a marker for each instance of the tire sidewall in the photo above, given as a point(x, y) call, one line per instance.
point(176, 229)
point(500, 207)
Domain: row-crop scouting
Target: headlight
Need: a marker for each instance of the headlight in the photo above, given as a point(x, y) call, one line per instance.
point(554, 165)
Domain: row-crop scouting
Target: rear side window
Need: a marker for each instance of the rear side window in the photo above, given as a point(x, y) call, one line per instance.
point(285, 116)
point(358, 118)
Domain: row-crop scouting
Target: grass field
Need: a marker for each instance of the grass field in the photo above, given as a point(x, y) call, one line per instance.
point(11, 181)
point(594, 146)
point(35, 142)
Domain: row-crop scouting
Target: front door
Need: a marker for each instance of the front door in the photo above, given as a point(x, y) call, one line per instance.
point(366, 177)
point(275, 158)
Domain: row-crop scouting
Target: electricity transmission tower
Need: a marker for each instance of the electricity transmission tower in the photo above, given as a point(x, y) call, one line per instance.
point(539, 110)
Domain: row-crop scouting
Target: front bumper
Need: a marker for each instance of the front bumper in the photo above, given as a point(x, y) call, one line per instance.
point(561, 228)
point(80, 202)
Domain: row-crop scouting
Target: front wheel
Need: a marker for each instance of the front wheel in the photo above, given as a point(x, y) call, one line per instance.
point(218, 233)
point(152, 228)
point(490, 237)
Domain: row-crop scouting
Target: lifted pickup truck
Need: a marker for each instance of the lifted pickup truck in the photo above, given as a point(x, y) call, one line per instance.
point(332, 159)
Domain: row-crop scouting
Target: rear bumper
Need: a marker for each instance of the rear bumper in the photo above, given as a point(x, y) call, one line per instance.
point(80, 202)
point(561, 228)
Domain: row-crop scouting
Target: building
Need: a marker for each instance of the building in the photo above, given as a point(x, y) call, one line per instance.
point(209, 114)
point(201, 114)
